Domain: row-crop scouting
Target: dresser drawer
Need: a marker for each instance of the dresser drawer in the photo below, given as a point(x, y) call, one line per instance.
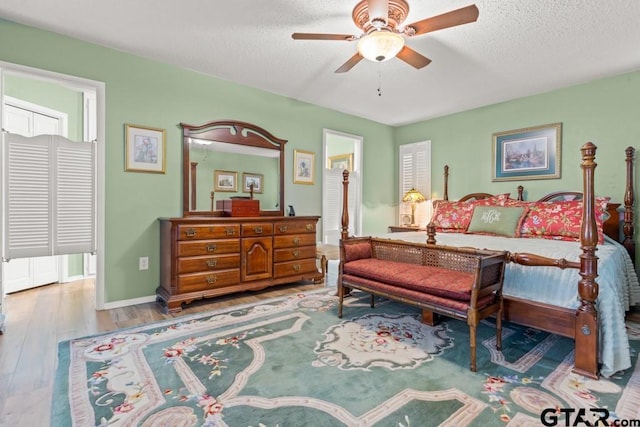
point(208, 263)
point(295, 227)
point(257, 229)
point(290, 254)
point(294, 240)
point(208, 247)
point(292, 268)
point(204, 281)
point(211, 231)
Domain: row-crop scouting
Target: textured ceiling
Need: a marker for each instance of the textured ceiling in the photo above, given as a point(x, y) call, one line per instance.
point(516, 48)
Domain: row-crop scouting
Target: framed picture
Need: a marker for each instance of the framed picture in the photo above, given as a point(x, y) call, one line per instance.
point(225, 181)
point(341, 161)
point(145, 149)
point(252, 178)
point(530, 153)
point(303, 167)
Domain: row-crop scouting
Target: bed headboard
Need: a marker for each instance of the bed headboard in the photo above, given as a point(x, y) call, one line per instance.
point(619, 224)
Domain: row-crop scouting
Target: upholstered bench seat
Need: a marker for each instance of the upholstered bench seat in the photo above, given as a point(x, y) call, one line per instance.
point(423, 278)
point(459, 306)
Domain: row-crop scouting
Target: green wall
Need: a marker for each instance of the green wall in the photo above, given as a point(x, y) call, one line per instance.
point(144, 92)
point(604, 112)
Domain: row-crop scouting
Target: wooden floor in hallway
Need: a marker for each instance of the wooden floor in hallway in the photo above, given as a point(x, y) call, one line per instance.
point(37, 319)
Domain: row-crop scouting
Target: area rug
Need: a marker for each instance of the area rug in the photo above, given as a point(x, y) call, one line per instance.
point(292, 362)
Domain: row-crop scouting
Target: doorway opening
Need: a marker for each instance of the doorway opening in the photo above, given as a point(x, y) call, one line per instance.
point(37, 102)
point(340, 151)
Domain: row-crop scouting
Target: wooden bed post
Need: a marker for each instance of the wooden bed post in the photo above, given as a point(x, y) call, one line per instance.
point(627, 227)
point(586, 328)
point(445, 196)
point(344, 232)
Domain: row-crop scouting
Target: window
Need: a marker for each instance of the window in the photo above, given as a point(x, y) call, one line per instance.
point(415, 172)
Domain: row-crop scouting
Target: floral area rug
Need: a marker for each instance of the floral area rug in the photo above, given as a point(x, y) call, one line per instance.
point(292, 362)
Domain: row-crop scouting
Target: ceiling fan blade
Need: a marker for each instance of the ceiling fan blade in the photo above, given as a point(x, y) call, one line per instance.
point(378, 9)
point(350, 63)
point(413, 58)
point(461, 16)
point(317, 36)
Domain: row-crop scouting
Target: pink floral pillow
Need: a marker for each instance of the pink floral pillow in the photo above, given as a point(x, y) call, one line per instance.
point(454, 217)
point(559, 220)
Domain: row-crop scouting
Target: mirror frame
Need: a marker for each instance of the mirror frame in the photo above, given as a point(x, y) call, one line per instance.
point(231, 132)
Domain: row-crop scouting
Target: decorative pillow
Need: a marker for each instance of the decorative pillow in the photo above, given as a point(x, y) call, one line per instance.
point(357, 250)
point(454, 217)
point(498, 220)
point(560, 220)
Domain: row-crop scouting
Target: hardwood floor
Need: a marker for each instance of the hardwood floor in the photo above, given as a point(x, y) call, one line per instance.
point(37, 319)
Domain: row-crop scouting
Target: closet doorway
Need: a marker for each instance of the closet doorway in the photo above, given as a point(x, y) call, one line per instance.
point(36, 102)
point(340, 151)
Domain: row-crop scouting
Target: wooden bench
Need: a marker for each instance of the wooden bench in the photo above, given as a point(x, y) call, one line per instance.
point(462, 283)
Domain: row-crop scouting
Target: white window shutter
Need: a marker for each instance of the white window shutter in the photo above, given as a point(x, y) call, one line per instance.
point(49, 196)
point(415, 172)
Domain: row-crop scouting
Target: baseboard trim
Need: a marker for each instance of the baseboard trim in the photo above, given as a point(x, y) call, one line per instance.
point(128, 302)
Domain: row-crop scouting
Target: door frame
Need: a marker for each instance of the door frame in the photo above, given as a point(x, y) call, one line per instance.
point(357, 167)
point(81, 85)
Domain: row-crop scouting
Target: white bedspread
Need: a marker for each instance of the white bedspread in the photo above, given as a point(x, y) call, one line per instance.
point(617, 280)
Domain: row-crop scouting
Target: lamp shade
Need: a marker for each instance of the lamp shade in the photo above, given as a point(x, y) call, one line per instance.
point(414, 196)
point(380, 46)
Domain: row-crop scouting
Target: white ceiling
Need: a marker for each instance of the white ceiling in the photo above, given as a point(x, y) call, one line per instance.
point(516, 48)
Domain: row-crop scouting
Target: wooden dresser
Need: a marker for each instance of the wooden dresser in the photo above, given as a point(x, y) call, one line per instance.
point(204, 257)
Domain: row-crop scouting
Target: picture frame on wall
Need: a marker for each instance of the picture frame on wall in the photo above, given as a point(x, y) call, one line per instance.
point(145, 149)
point(527, 154)
point(256, 179)
point(225, 181)
point(303, 167)
point(341, 161)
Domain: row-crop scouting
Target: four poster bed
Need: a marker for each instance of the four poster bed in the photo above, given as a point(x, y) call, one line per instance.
point(576, 285)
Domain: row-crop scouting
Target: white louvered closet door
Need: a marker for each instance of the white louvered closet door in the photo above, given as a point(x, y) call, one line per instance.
point(49, 196)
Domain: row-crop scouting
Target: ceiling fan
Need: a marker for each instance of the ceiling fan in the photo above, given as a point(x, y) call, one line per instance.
point(383, 39)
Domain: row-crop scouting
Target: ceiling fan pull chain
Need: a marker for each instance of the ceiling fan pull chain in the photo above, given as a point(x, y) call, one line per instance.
point(379, 79)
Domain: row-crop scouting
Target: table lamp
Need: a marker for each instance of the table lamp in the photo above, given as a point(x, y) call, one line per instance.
point(414, 197)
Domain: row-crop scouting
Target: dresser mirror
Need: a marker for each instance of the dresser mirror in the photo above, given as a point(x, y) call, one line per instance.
point(224, 160)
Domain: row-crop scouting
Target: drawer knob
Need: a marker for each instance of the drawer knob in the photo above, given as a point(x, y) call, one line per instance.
point(296, 253)
point(282, 228)
point(296, 241)
point(257, 230)
point(309, 227)
point(296, 267)
point(212, 263)
point(212, 248)
point(230, 231)
point(190, 232)
point(211, 280)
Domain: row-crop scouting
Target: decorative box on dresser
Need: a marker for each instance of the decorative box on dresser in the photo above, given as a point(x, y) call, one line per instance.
point(211, 256)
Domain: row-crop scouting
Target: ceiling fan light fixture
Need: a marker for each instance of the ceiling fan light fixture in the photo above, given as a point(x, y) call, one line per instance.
point(380, 46)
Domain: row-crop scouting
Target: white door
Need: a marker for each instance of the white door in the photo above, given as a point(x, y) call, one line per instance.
point(23, 119)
